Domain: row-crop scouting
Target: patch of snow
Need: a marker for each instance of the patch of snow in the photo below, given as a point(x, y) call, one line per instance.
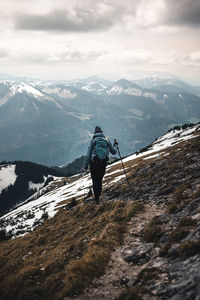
point(87, 88)
point(118, 178)
point(166, 154)
point(56, 178)
point(114, 172)
point(151, 156)
point(64, 93)
point(48, 202)
point(81, 117)
point(36, 186)
point(133, 92)
point(67, 94)
point(23, 87)
point(158, 155)
point(150, 95)
point(7, 176)
point(166, 141)
point(115, 90)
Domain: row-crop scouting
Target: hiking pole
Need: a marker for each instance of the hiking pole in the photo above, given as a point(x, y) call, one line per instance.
point(85, 195)
point(83, 174)
point(123, 165)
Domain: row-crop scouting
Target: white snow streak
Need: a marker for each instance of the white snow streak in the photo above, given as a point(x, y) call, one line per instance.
point(36, 186)
point(166, 141)
point(7, 176)
point(118, 178)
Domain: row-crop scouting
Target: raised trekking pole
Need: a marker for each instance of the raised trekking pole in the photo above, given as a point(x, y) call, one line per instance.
point(123, 165)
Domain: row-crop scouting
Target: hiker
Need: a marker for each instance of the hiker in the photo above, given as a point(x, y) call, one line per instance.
point(97, 158)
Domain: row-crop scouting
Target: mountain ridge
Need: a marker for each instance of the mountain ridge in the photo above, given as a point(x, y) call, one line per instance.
point(73, 189)
point(132, 245)
point(61, 121)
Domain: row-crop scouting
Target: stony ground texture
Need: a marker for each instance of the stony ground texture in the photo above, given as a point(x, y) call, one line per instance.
point(159, 256)
point(121, 271)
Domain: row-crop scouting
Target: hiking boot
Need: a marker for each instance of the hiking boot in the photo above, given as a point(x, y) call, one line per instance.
point(97, 201)
point(90, 200)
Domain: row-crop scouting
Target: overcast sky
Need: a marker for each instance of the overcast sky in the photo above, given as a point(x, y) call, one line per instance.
point(64, 39)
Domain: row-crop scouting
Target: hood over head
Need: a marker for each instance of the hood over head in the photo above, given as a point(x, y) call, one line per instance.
point(98, 130)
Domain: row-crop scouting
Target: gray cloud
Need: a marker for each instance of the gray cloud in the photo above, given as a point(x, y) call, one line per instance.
point(81, 19)
point(90, 16)
point(182, 12)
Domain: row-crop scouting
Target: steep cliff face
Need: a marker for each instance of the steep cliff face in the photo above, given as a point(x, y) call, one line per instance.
point(141, 242)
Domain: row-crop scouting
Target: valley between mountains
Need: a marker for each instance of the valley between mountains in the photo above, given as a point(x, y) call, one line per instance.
point(141, 242)
point(51, 123)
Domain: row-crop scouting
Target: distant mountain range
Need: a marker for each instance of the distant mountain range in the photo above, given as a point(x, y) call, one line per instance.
point(171, 84)
point(51, 122)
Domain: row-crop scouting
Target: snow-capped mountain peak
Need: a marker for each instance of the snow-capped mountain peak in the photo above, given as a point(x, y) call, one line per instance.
point(30, 91)
point(24, 87)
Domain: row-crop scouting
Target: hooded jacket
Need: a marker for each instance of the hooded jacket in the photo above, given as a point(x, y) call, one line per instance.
point(92, 149)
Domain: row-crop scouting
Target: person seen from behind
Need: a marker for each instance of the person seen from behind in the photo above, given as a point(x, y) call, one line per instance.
point(97, 158)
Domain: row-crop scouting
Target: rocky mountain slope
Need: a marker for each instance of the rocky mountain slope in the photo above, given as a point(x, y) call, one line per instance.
point(141, 242)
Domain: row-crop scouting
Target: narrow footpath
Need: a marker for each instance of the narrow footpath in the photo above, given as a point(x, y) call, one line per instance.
point(120, 269)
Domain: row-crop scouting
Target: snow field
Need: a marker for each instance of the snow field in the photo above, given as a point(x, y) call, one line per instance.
point(23, 87)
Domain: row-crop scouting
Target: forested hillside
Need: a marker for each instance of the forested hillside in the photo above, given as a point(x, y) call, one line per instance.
point(28, 179)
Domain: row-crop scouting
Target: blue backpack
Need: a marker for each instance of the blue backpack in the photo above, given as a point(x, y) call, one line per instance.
point(101, 148)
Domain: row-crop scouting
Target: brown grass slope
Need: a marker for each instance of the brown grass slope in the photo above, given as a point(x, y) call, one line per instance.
point(65, 253)
point(61, 257)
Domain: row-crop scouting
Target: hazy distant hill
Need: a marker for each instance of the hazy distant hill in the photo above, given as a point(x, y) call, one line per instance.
point(168, 85)
point(52, 122)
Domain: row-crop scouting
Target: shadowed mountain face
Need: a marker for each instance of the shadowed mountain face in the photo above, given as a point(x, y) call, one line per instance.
point(52, 123)
point(20, 180)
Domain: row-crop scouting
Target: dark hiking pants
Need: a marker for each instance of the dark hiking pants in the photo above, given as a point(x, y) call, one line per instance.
point(97, 170)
